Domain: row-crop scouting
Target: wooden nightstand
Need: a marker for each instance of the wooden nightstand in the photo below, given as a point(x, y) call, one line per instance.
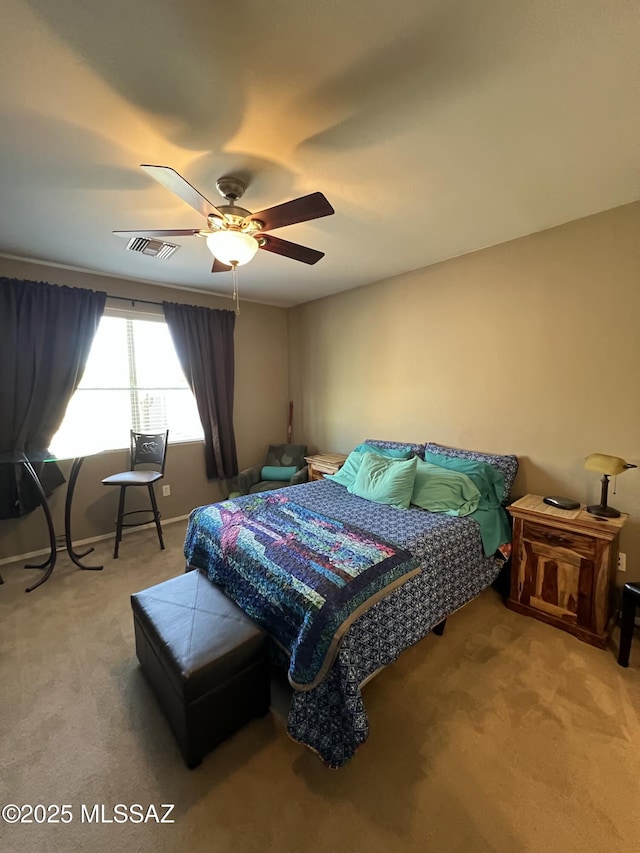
point(324, 463)
point(563, 567)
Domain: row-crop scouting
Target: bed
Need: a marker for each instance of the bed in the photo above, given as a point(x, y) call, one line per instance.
point(426, 566)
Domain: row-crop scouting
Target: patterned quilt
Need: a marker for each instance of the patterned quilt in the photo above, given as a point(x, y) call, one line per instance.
point(331, 718)
point(302, 576)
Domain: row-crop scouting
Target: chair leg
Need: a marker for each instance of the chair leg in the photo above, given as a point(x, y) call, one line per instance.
point(626, 629)
point(156, 515)
point(119, 522)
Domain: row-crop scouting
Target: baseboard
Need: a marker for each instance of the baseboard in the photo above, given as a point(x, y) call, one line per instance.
point(79, 542)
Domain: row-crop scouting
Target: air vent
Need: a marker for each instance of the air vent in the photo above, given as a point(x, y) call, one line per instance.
point(154, 248)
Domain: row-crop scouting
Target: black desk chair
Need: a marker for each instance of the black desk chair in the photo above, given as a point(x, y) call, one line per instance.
point(630, 600)
point(145, 448)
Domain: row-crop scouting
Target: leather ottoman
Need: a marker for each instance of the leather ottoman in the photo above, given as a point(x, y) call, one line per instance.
point(205, 660)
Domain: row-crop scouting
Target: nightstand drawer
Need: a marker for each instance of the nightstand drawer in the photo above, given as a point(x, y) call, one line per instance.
point(543, 534)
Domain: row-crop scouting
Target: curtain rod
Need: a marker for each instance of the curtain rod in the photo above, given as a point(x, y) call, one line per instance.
point(133, 300)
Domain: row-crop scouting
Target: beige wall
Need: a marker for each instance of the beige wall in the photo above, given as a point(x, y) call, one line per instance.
point(530, 347)
point(260, 416)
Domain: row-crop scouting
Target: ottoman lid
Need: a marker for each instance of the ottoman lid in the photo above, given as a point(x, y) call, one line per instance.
point(202, 636)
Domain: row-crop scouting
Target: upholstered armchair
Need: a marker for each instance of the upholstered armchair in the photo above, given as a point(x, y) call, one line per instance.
point(261, 478)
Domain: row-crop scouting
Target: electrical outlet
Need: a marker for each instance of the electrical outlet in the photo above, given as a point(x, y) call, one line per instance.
point(166, 491)
point(622, 562)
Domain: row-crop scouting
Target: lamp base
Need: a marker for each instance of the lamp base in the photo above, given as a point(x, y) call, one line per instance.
point(603, 511)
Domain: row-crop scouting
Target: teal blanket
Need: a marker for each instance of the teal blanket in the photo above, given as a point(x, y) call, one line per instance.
point(490, 514)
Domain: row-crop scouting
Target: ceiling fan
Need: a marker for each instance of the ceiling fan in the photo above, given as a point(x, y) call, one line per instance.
point(234, 234)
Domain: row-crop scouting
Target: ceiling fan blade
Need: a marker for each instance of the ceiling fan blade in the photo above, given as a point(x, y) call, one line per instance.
point(170, 179)
point(290, 250)
point(166, 232)
point(218, 266)
point(312, 206)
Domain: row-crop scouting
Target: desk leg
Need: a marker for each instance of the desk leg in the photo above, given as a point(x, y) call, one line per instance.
point(75, 555)
point(50, 562)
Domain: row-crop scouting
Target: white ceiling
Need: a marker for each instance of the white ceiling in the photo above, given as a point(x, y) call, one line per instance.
point(434, 127)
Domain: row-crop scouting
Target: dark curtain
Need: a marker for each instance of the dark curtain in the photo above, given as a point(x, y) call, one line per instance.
point(203, 338)
point(46, 333)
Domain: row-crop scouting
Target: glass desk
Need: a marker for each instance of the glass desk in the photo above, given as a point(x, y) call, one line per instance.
point(27, 460)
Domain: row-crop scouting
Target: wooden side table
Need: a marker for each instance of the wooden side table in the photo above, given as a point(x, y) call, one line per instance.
point(563, 567)
point(324, 463)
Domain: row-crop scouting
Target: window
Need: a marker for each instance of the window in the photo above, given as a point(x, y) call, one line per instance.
point(133, 380)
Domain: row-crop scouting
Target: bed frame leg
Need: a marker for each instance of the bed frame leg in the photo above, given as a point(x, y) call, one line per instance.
point(439, 628)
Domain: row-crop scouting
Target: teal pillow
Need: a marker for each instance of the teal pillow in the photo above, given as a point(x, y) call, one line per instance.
point(278, 472)
point(488, 480)
point(490, 515)
point(441, 489)
point(347, 474)
point(385, 481)
point(389, 452)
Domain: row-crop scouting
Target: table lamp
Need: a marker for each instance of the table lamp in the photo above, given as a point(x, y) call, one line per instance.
point(608, 466)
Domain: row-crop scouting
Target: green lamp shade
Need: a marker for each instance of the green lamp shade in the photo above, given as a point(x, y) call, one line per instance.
point(604, 464)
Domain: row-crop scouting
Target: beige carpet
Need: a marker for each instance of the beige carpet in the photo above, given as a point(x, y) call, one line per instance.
point(503, 735)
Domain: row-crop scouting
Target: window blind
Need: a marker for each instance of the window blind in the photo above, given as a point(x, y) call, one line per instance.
point(133, 380)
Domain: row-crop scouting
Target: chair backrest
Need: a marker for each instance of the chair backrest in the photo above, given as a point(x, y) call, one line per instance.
point(149, 447)
point(287, 455)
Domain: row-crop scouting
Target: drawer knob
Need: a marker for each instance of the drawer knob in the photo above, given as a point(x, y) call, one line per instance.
point(556, 540)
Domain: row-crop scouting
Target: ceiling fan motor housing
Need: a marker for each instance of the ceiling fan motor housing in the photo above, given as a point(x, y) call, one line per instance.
point(235, 219)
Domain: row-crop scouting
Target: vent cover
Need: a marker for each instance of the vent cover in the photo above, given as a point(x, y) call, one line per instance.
point(153, 248)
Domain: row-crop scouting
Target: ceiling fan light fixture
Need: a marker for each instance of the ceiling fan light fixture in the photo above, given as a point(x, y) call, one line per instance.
point(232, 247)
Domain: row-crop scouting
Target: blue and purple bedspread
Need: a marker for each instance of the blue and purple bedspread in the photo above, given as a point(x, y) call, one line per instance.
point(412, 568)
point(302, 576)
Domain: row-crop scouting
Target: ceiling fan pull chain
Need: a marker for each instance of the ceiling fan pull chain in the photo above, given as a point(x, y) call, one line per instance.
point(236, 295)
